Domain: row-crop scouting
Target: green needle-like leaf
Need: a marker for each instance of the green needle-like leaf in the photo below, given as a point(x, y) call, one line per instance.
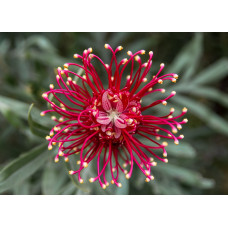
point(206, 92)
point(23, 167)
point(185, 176)
point(213, 73)
point(203, 112)
point(183, 150)
point(53, 179)
point(187, 60)
point(9, 104)
point(36, 128)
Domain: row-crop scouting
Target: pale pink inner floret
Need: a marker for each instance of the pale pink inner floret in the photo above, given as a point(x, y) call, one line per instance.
point(112, 117)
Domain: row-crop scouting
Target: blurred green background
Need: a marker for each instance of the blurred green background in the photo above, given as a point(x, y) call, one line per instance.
point(199, 165)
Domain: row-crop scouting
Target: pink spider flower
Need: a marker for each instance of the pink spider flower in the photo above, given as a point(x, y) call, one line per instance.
point(104, 124)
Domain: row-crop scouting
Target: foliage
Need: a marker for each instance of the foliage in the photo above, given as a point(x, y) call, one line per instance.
point(27, 66)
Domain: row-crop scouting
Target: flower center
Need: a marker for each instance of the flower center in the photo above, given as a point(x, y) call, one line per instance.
point(113, 115)
point(116, 114)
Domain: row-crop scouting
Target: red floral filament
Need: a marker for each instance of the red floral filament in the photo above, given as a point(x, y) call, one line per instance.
point(103, 124)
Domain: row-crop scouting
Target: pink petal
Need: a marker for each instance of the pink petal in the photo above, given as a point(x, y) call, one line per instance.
point(123, 116)
point(110, 125)
point(119, 106)
point(105, 102)
point(117, 132)
point(103, 127)
point(103, 118)
point(102, 114)
point(120, 123)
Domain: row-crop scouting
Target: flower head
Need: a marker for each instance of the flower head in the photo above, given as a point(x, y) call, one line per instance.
point(104, 124)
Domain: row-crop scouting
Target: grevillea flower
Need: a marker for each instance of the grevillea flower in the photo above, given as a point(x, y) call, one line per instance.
point(104, 125)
